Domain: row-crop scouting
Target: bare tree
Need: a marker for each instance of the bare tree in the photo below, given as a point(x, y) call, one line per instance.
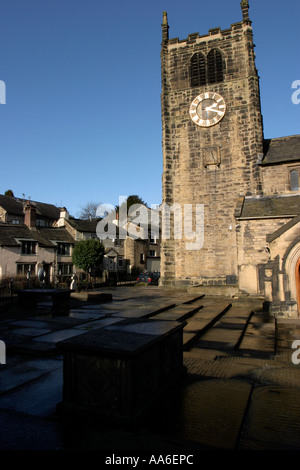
point(89, 210)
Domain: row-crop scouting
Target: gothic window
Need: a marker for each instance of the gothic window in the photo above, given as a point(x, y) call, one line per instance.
point(198, 69)
point(214, 66)
point(294, 179)
point(208, 69)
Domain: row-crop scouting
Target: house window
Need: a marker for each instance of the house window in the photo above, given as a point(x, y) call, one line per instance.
point(43, 223)
point(120, 262)
point(63, 249)
point(15, 221)
point(294, 179)
point(28, 247)
point(152, 253)
point(65, 269)
point(142, 258)
point(22, 269)
point(208, 69)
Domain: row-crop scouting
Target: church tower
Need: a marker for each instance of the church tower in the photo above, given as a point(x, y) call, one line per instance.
point(212, 146)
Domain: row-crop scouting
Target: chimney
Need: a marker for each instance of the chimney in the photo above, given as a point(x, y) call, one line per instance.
point(64, 215)
point(29, 215)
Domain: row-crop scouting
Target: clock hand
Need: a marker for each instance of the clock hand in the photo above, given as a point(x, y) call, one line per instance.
point(210, 108)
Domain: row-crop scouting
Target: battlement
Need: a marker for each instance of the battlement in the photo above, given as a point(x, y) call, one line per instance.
point(213, 34)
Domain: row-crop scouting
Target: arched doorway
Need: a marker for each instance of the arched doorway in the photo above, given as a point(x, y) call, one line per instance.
point(291, 278)
point(297, 277)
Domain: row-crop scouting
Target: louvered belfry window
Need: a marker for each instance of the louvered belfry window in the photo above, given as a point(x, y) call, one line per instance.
point(198, 69)
point(215, 66)
point(208, 69)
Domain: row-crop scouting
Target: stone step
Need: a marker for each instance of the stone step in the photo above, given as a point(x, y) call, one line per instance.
point(194, 299)
point(226, 334)
point(144, 311)
point(203, 320)
point(259, 339)
point(178, 313)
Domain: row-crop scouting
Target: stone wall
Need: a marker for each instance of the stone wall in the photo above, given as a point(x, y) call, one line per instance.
point(253, 251)
point(187, 179)
point(276, 179)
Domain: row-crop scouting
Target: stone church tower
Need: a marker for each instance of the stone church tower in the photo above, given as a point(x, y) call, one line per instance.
point(212, 147)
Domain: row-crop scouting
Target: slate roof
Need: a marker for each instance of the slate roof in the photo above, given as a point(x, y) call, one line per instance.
point(83, 225)
point(281, 150)
point(268, 206)
point(272, 236)
point(14, 205)
point(9, 234)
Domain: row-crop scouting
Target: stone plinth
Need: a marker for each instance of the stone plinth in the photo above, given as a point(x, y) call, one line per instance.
point(93, 297)
point(60, 298)
point(120, 371)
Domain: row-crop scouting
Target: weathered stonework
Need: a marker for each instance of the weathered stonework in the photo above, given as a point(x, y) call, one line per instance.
point(238, 139)
point(248, 185)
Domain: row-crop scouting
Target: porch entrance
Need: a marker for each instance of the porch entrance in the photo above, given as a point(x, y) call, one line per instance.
point(298, 284)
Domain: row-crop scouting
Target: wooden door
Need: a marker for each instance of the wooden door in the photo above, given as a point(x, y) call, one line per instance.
point(298, 284)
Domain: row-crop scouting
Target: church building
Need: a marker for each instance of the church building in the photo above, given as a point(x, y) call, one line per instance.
point(215, 156)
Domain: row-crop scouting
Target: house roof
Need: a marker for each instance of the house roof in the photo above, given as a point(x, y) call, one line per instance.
point(9, 235)
point(281, 150)
point(268, 207)
point(83, 225)
point(14, 205)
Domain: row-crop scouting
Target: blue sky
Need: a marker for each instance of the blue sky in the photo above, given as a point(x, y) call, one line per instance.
point(82, 116)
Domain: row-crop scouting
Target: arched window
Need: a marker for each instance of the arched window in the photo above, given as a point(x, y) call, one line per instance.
point(205, 70)
point(198, 70)
point(294, 177)
point(214, 66)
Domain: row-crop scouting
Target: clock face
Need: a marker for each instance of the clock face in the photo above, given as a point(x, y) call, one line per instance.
point(207, 109)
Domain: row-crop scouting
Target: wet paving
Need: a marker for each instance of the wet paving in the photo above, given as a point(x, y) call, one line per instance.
point(238, 371)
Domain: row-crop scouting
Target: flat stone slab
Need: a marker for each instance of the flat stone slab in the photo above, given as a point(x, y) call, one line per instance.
point(30, 323)
point(31, 331)
point(87, 315)
point(101, 323)
point(149, 328)
point(217, 417)
point(57, 336)
point(15, 375)
point(178, 313)
point(226, 333)
point(274, 419)
point(47, 391)
point(201, 321)
point(138, 336)
point(132, 314)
